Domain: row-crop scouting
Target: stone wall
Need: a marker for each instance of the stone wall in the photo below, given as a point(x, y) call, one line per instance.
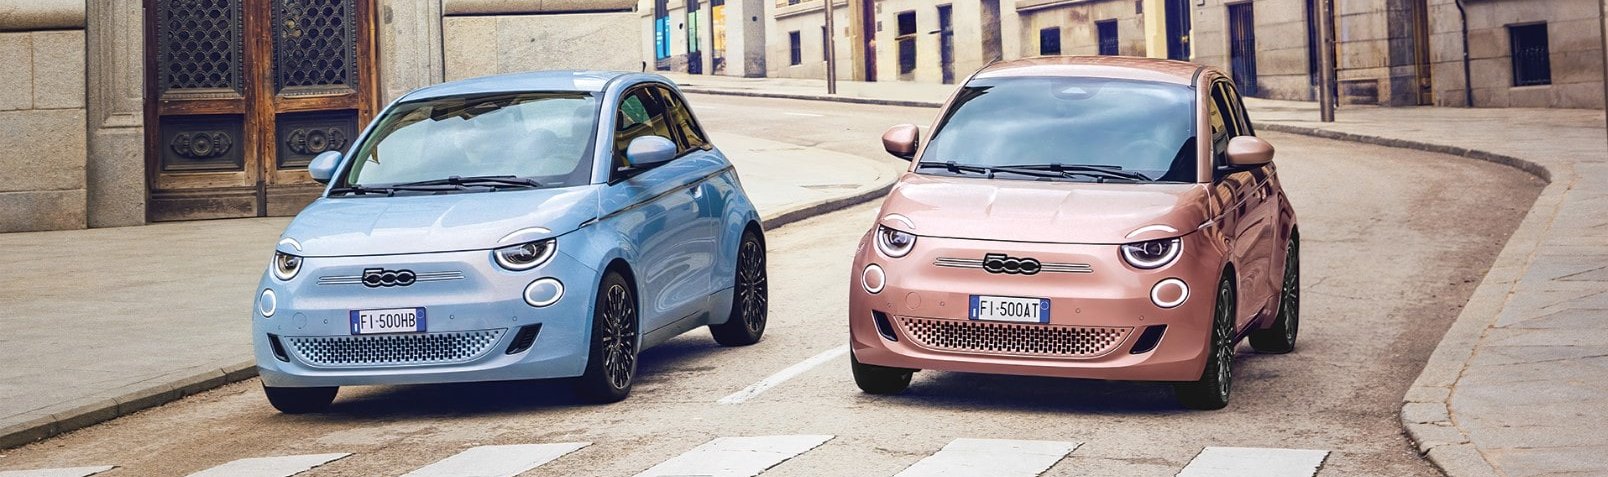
point(43, 140)
point(1574, 37)
point(1077, 23)
point(807, 19)
point(485, 37)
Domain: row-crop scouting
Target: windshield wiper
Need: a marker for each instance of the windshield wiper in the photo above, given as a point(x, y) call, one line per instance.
point(1096, 171)
point(484, 181)
point(390, 190)
point(957, 168)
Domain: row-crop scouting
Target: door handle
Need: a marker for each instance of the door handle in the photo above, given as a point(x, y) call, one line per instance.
point(697, 192)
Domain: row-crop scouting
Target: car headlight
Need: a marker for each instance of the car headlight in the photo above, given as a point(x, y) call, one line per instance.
point(1152, 254)
point(894, 243)
point(286, 266)
point(525, 256)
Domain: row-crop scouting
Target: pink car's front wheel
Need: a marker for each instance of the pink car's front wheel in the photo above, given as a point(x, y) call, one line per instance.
point(1212, 390)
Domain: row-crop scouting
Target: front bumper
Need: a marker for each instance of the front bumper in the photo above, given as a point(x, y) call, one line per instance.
point(471, 323)
point(1096, 319)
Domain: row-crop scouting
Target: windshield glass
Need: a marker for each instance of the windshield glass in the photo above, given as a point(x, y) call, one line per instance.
point(543, 137)
point(1129, 126)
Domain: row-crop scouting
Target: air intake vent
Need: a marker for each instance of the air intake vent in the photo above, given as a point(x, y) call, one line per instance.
point(279, 348)
point(883, 327)
point(392, 350)
point(1149, 339)
point(983, 337)
point(524, 339)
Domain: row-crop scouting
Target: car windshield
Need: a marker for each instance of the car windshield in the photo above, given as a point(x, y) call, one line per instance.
point(518, 140)
point(1067, 128)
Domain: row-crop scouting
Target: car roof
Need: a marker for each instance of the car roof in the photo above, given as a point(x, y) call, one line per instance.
point(1115, 67)
point(557, 80)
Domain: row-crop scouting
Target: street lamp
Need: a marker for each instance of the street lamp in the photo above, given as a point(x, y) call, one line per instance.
point(831, 51)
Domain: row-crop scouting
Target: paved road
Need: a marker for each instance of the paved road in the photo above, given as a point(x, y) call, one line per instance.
point(1394, 243)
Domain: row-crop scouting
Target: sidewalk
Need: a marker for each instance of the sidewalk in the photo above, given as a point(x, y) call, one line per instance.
point(1519, 383)
point(100, 323)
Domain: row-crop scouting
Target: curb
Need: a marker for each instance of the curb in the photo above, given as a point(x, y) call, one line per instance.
point(18, 435)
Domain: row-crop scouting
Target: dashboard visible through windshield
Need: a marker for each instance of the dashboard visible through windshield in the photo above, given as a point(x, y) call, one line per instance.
point(502, 141)
point(1095, 129)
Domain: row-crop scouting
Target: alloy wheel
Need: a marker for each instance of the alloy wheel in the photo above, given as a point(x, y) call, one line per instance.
point(1290, 299)
point(1224, 337)
point(752, 285)
point(619, 336)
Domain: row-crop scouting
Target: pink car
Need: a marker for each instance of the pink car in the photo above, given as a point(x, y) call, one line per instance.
point(1098, 217)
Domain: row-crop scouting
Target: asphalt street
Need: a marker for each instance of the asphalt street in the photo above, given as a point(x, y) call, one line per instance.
point(1394, 241)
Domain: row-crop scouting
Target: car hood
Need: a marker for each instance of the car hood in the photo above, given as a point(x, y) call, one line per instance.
point(1042, 211)
point(349, 226)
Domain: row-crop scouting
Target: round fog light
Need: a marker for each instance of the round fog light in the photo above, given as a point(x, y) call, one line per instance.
point(543, 292)
point(268, 303)
point(873, 279)
point(1169, 293)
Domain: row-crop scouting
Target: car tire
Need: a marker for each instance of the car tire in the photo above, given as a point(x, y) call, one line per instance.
point(300, 400)
point(1213, 388)
point(749, 299)
point(612, 357)
point(1280, 338)
point(881, 380)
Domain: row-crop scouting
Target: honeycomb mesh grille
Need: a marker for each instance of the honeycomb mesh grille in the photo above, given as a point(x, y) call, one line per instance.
point(1013, 339)
point(402, 349)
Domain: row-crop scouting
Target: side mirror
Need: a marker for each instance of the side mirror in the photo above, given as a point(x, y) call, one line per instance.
point(649, 151)
point(1249, 151)
point(901, 141)
point(322, 168)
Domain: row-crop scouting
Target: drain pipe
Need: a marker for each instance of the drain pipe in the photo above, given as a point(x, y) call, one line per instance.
point(1468, 85)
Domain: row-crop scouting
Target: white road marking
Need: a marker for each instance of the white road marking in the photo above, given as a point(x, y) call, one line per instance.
point(992, 457)
point(497, 461)
point(282, 466)
point(808, 115)
point(784, 375)
point(736, 456)
point(63, 472)
point(1254, 462)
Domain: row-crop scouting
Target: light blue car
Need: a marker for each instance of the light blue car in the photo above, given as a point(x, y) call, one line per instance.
point(541, 225)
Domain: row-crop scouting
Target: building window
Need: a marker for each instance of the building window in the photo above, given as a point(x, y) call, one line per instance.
point(1107, 34)
point(1532, 64)
point(1050, 41)
point(907, 42)
point(825, 46)
point(794, 47)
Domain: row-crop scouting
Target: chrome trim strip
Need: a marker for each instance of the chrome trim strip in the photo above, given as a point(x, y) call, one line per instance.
point(419, 277)
point(1043, 266)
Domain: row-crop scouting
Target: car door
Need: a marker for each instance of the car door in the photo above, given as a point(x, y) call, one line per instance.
point(1268, 253)
point(656, 211)
point(700, 163)
point(1242, 216)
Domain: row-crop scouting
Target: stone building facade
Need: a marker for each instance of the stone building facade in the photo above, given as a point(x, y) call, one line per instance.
point(115, 114)
point(1521, 53)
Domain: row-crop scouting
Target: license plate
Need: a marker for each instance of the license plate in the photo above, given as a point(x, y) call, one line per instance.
point(1013, 309)
point(391, 320)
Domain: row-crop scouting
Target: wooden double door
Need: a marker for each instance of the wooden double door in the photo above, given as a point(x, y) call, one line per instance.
point(242, 94)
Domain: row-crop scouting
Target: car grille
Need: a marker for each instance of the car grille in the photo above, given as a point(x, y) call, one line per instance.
point(1013, 339)
point(392, 350)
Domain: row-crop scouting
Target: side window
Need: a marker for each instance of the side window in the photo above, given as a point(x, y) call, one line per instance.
point(640, 114)
point(690, 135)
point(1239, 110)
point(1224, 117)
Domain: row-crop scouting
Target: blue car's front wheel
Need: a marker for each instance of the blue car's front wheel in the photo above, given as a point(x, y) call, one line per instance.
point(611, 365)
point(750, 301)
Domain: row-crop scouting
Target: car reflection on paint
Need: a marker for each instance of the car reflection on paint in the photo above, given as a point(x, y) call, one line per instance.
point(1089, 217)
point(542, 225)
